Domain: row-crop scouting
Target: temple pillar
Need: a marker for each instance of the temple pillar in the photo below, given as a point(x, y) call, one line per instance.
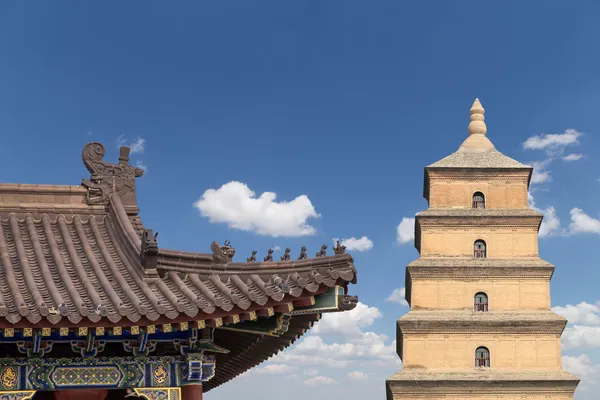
point(81, 394)
point(191, 392)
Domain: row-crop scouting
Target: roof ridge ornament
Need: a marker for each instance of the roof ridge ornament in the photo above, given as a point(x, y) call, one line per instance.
point(149, 251)
point(222, 255)
point(107, 178)
point(477, 125)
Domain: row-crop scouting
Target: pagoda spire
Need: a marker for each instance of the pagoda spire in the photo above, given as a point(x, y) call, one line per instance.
point(477, 125)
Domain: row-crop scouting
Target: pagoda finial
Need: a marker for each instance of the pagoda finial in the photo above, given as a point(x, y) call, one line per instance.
point(477, 124)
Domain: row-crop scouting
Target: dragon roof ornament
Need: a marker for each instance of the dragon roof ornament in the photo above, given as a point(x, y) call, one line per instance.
point(107, 178)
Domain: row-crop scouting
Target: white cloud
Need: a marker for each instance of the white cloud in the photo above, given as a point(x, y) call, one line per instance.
point(583, 368)
point(137, 146)
point(551, 223)
point(583, 223)
point(553, 141)
point(398, 296)
point(540, 174)
point(580, 337)
point(406, 230)
point(311, 372)
point(348, 323)
point(582, 313)
point(236, 205)
point(354, 244)
point(320, 380)
point(573, 157)
point(275, 369)
point(357, 376)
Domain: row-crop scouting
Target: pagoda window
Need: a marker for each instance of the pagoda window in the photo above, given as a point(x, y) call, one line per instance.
point(481, 302)
point(479, 250)
point(482, 357)
point(478, 200)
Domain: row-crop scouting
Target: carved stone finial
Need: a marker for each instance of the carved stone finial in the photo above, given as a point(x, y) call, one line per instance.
point(302, 255)
point(339, 248)
point(222, 255)
point(269, 256)
point(323, 251)
point(252, 258)
point(149, 252)
point(286, 256)
point(107, 178)
point(477, 124)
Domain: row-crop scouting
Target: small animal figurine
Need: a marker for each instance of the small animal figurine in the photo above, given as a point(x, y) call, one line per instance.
point(323, 251)
point(269, 256)
point(252, 258)
point(286, 255)
point(339, 249)
point(302, 253)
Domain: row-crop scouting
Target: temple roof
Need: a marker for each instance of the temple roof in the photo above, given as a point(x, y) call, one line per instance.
point(70, 254)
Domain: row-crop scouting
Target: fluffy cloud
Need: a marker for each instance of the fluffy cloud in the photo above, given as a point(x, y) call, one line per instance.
point(137, 146)
point(580, 337)
point(347, 323)
point(357, 347)
point(236, 205)
point(405, 230)
point(540, 174)
point(311, 372)
point(320, 380)
point(275, 369)
point(551, 223)
point(573, 157)
point(582, 313)
point(354, 244)
point(554, 145)
point(398, 296)
point(358, 376)
point(583, 223)
point(553, 141)
point(583, 368)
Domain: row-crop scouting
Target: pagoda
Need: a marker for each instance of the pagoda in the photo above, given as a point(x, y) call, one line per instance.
point(91, 307)
point(480, 324)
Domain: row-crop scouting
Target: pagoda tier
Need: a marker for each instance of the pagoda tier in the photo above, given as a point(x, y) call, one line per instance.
point(86, 290)
point(480, 324)
point(481, 384)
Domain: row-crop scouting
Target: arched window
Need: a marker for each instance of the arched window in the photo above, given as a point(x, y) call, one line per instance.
point(478, 200)
point(481, 302)
point(479, 249)
point(482, 357)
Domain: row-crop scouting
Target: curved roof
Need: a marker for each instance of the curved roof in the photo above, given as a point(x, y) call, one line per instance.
point(70, 254)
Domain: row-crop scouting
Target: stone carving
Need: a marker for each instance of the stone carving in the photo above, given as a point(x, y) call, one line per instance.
point(107, 178)
point(347, 303)
point(302, 255)
point(149, 252)
point(339, 248)
point(252, 258)
point(286, 255)
point(323, 251)
point(269, 256)
point(222, 254)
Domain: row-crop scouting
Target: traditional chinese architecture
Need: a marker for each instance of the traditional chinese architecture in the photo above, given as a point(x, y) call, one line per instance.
point(479, 325)
point(92, 307)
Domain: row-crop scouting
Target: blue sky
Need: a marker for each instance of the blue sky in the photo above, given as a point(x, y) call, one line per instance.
point(337, 101)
